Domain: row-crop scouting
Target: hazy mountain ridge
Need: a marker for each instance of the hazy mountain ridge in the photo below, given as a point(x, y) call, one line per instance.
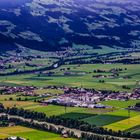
point(54, 25)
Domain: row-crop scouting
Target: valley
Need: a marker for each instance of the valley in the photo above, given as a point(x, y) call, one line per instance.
point(69, 70)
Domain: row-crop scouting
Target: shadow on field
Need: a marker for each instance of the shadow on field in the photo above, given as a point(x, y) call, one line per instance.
point(77, 116)
point(104, 119)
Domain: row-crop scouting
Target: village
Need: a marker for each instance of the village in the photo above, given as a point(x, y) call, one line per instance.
point(91, 98)
point(74, 97)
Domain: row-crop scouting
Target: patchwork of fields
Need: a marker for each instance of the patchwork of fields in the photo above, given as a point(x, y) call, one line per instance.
point(115, 119)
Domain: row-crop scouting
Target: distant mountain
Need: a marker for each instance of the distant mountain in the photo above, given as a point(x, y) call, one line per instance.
point(51, 25)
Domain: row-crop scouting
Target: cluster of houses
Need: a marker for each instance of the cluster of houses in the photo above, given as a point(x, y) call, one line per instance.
point(90, 98)
point(4, 61)
point(23, 90)
point(8, 62)
point(15, 138)
point(114, 73)
point(104, 76)
point(20, 89)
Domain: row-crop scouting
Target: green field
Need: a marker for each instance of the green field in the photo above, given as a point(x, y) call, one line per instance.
point(101, 120)
point(29, 133)
point(82, 76)
point(51, 110)
point(110, 117)
point(120, 104)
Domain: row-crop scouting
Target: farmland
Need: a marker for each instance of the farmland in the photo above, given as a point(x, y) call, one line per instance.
point(81, 75)
point(107, 118)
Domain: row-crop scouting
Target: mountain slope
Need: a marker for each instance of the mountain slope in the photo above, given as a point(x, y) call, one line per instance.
point(51, 25)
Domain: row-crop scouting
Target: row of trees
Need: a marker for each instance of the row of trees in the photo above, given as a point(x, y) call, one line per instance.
point(86, 136)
